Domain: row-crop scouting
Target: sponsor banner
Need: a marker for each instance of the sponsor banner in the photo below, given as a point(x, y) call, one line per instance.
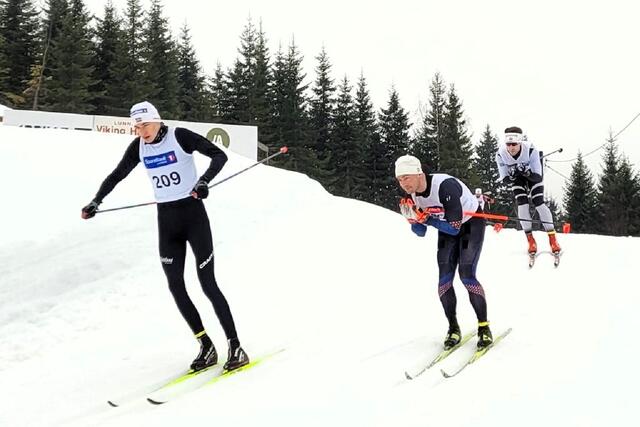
point(240, 139)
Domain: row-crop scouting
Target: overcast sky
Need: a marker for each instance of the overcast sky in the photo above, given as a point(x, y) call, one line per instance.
point(567, 72)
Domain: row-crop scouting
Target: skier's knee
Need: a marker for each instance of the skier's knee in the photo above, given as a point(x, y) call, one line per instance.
point(522, 199)
point(538, 201)
point(177, 288)
point(467, 274)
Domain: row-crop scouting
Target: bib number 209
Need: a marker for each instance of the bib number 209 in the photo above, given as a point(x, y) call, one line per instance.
point(166, 180)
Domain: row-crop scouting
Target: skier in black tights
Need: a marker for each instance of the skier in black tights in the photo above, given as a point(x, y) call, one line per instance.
point(167, 154)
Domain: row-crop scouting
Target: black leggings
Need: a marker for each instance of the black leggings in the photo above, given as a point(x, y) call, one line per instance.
point(461, 252)
point(185, 221)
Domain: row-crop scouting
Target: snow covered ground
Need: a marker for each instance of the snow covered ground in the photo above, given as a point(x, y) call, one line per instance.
point(343, 286)
point(3, 108)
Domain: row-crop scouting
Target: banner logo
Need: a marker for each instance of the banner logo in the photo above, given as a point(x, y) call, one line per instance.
point(219, 136)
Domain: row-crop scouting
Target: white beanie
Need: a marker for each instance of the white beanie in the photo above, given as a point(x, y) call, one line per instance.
point(408, 165)
point(144, 112)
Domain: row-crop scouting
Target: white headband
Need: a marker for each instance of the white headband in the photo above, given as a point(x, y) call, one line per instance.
point(513, 137)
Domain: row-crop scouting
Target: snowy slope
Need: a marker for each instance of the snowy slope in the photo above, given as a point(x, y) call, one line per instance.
point(343, 286)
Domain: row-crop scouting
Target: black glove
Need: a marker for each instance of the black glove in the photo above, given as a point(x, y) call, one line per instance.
point(201, 190)
point(90, 210)
point(523, 170)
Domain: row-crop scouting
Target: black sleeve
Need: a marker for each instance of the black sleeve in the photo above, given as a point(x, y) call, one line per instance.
point(450, 192)
point(129, 161)
point(191, 141)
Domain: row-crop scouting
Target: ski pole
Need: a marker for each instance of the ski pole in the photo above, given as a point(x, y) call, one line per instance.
point(282, 150)
point(505, 218)
point(490, 216)
point(559, 150)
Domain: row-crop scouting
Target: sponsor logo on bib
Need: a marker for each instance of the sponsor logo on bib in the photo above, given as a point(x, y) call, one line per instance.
point(157, 161)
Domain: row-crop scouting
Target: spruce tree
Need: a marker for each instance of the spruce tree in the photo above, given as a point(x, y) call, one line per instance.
point(218, 93)
point(4, 71)
point(191, 82)
point(580, 198)
point(455, 147)
point(108, 58)
point(289, 111)
point(394, 136)
point(160, 63)
point(70, 63)
point(628, 195)
point(430, 134)
point(261, 94)
point(347, 157)
point(237, 83)
point(321, 111)
point(19, 48)
point(367, 139)
point(240, 79)
point(611, 212)
point(634, 204)
point(41, 74)
point(130, 85)
point(484, 162)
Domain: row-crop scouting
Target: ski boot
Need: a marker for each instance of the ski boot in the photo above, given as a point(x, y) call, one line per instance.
point(484, 335)
point(533, 248)
point(453, 337)
point(237, 357)
point(555, 247)
point(207, 356)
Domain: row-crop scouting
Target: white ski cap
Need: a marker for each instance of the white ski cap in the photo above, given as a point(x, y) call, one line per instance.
point(408, 165)
point(144, 112)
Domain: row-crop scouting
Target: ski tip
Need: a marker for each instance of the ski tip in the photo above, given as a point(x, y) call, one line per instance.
point(444, 374)
point(409, 377)
point(114, 405)
point(154, 402)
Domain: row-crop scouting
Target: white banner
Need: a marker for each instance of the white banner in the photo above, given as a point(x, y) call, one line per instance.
point(242, 140)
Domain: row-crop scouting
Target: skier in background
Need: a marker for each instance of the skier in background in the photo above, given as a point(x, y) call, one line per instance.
point(520, 167)
point(440, 200)
point(167, 154)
